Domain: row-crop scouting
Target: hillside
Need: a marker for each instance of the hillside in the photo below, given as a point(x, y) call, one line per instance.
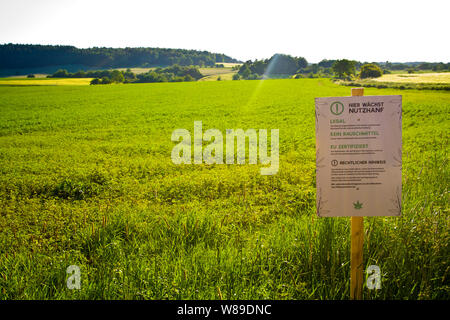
point(17, 58)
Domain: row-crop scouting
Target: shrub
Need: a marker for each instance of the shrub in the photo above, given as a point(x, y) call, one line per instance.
point(79, 74)
point(370, 70)
point(106, 80)
point(253, 76)
point(117, 76)
point(61, 73)
point(95, 81)
point(30, 76)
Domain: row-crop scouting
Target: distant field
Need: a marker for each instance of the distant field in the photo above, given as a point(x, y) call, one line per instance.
point(416, 78)
point(214, 77)
point(211, 74)
point(36, 75)
point(44, 81)
point(214, 71)
point(135, 70)
point(229, 64)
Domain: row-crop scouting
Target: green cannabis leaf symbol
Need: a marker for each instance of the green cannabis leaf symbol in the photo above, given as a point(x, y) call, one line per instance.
point(357, 205)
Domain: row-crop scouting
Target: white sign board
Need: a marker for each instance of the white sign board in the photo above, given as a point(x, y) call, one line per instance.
point(359, 156)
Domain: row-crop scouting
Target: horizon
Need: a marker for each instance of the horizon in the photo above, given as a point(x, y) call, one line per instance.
point(244, 31)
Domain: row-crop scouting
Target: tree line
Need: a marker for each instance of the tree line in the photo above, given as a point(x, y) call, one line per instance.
point(278, 64)
point(175, 73)
point(32, 56)
point(281, 65)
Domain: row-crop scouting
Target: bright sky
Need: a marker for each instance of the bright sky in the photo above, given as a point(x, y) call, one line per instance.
point(382, 30)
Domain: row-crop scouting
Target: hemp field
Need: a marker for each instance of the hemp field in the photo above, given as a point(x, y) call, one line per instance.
point(87, 179)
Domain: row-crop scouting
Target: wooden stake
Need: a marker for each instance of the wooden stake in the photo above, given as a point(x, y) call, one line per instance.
point(357, 242)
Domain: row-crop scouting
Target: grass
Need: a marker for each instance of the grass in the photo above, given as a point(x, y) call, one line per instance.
point(86, 179)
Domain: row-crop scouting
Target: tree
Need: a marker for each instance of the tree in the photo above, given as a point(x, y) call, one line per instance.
point(106, 80)
point(370, 70)
point(30, 76)
point(244, 71)
point(326, 63)
point(283, 64)
point(236, 76)
point(117, 76)
point(61, 73)
point(301, 62)
point(95, 81)
point(79, 74)
point(129, 75)
point(259, 67)
point(343, 68)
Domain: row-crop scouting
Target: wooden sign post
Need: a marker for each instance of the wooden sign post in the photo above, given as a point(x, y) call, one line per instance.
point(357, 243)
point(358, 165)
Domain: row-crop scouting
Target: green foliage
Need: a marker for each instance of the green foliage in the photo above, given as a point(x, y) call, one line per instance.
point(174, 73)
point(343, 68)
point(117, 76)
point(188, 77)
point(278, 64)
point(61, 73)
point(129, 75)
point(96, 81)
point(370, 70)
point(326, 63)
point(29, 56)
point(106, 80)
point(31, 76)
point(87, 180)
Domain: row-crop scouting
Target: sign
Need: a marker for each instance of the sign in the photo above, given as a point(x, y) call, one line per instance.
point(359, 156)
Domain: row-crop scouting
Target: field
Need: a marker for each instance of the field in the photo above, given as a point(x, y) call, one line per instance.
point(87, 180)
point(433, 77)
point(44, 81)
point(212, 74)
point(229, 64)
point(136, 70)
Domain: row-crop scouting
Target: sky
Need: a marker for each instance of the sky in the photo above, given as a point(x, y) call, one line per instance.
point(367, 31)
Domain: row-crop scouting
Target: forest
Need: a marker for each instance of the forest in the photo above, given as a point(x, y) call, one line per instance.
point(32, 56)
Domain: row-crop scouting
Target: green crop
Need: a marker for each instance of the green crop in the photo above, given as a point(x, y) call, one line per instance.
point(87, 179)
